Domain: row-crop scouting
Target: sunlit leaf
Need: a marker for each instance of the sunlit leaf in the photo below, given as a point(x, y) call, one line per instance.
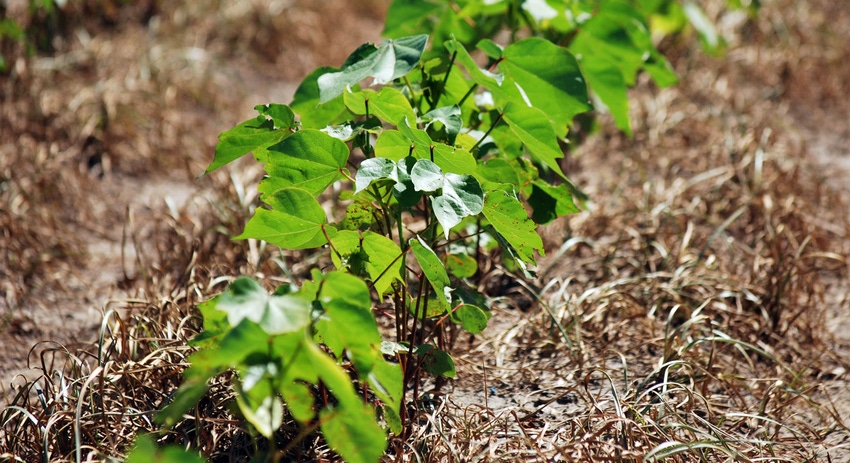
point(388, 104)
point(436, 362)
point(506, 214)
point(353, 431)
point(433, 269)
point(471, 318)
point(294, 222)
point(309, 159)
point(389, 60)
point(246, 299)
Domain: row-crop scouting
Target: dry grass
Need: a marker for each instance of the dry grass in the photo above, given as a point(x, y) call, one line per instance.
point(681, 318)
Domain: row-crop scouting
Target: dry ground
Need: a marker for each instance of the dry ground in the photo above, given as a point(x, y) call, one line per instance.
point(700, 299)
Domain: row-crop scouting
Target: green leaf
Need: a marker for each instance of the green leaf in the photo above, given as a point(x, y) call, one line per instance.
point(390, 60)
point(543, 75)
point(607, 81)
point(280, 114)
point(498, 170)
point(449, 116)
point(427, 176)
point(252, 135)
point(186, 397)
point(383, 265)
point(460, 195)
point(533, 128)
point(309, 159)
point(490, 48)
point(348, 319)
point(392, 144)
point(436, 362)
point(264, 413)
point(246, 299)
point(146, 451)
point(371, 170)
point(434, 270)
point(450, 159)
point(306, 103)
point(387, 382)
point(299, 401)
point(461, 265)
point(388, 104)
point(471, 318)
point(295, 221)
point(549, 202)
point(406, 17)
point(506, 214)
point(353, 432)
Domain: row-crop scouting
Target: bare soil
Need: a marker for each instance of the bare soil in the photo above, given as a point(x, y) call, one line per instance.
point(102, 138)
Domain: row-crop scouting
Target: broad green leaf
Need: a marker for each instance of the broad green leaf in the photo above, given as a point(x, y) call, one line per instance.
point(433, 269)
point(383, 263)
point(498, 170)
point(450, 159)
point(543, 75)
point(608, 84)
point(460, 265)
point(406, 17)
point(295, 221)
point(427, 176)
point(299, 401)
point(390, 60)
point(372, 169)
point(353, 432)
point(506, 214)
point(306, 103)
point(387, 382)
point(348, 322)
point(334, 377)
point(388, 104)
point(392, 144)
point(549, 202)
point(403, 190)
point(436, 362)
point(252, 135)
point(460, 195)
point(309, 159)
point(246, 299)
point(215, 325)
point(471, 318)
point(533, 128)
point(280, 114)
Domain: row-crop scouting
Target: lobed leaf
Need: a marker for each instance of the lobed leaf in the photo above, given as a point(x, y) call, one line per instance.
point(309, 159)
point(294, 222)
point(384, 63)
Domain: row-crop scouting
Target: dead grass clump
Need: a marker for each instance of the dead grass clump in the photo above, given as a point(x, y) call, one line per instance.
point(91, 402)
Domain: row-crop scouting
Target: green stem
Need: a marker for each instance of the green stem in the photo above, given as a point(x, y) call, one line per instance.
point(442, 88)
point(492, 126)
point(467, 94)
